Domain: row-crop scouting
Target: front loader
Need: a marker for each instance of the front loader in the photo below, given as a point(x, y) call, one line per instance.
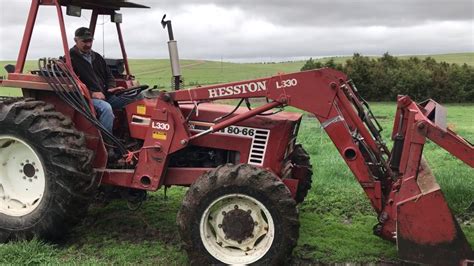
point(245, 172)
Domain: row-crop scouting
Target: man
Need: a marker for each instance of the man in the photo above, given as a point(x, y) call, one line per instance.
point(96, 75)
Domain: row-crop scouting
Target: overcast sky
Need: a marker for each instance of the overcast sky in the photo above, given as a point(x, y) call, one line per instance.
point(257, 30)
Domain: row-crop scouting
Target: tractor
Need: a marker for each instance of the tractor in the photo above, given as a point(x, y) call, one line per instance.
point(245, 171)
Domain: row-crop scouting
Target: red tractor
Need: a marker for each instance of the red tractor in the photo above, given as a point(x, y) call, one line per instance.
point(245, 172)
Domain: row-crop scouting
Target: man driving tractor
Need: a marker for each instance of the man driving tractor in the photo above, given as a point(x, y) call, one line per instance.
point(93, 71)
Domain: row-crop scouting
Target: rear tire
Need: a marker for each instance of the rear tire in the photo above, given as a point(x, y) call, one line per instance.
point(46, 175)
point(238, 214)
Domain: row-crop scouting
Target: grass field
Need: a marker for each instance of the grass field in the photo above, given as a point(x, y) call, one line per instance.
point(336, 219)
point(199, 72)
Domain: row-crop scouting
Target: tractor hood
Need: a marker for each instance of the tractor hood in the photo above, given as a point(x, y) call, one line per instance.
point(208, 112)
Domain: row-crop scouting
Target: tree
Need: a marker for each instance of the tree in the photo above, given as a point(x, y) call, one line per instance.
point(383, 78)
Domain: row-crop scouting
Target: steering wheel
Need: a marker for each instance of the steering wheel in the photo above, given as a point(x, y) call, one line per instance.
point(132, 91)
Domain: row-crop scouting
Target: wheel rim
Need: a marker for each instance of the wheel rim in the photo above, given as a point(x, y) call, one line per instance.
point(22, 177)
point(237, 229)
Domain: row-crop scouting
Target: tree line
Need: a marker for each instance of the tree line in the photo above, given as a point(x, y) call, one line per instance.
point(383, 78)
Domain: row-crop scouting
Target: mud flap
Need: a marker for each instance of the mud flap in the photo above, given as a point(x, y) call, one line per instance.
point(428, 232)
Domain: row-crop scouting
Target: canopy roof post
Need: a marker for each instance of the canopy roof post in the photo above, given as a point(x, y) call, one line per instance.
point(25, 43)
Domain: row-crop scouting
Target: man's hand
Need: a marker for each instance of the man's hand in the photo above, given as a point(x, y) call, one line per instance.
point(98, 95)
point(115, 90)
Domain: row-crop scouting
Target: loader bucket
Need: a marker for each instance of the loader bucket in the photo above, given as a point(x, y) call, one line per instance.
point(427, 230)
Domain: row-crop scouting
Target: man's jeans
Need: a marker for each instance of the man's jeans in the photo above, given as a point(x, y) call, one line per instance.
point(104, 109)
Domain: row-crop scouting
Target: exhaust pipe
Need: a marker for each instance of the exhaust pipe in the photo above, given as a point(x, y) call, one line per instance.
point(174, 58)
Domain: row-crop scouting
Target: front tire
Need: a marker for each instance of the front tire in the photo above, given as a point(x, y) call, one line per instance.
point(238, 214)
point(46, 175)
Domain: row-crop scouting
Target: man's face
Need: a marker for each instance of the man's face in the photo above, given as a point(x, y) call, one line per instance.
point(84, 46)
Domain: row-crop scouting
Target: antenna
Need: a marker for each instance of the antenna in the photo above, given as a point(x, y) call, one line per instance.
point(103, 37)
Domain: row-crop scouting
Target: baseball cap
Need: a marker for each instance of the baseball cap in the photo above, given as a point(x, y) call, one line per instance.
point(83, 33)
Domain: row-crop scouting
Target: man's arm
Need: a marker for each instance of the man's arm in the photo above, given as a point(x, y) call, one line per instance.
point(110, 80)
point(111, 84)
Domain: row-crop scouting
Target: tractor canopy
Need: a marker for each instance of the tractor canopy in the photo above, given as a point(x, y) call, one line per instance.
point(73, 8)
point(100, 4)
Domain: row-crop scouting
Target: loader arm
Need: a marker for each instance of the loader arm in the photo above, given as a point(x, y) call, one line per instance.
point(410, 205)
point(327, 94)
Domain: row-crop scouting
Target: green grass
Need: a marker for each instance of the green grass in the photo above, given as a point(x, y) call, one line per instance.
point(336, 219)
point(458, 58)
point(112, 235)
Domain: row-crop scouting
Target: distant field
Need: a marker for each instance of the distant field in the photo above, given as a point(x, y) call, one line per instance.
point(200, 72)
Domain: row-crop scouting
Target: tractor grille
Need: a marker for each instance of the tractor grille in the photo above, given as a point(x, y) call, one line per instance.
point(259, 138)
point(259, 146)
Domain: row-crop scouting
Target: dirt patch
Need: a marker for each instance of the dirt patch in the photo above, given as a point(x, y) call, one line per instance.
point(122, 226)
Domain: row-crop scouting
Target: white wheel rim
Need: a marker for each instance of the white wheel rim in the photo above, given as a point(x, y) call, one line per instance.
point(227, 249)
point(22, 177)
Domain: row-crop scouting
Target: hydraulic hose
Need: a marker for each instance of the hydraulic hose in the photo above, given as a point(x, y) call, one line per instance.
point(63, 83)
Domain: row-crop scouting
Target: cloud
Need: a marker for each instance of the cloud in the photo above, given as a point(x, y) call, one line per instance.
point(259, 30)
point(344, 12)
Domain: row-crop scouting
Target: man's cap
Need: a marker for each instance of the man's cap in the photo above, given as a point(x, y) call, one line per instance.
point(83, 33)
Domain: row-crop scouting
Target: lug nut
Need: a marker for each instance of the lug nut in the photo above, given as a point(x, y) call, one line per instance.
point(236, 207)
point(24, 177)
point(256, 223)
point(219, 225)
point(224, 213)
point(21, 171)
point(249, 211)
